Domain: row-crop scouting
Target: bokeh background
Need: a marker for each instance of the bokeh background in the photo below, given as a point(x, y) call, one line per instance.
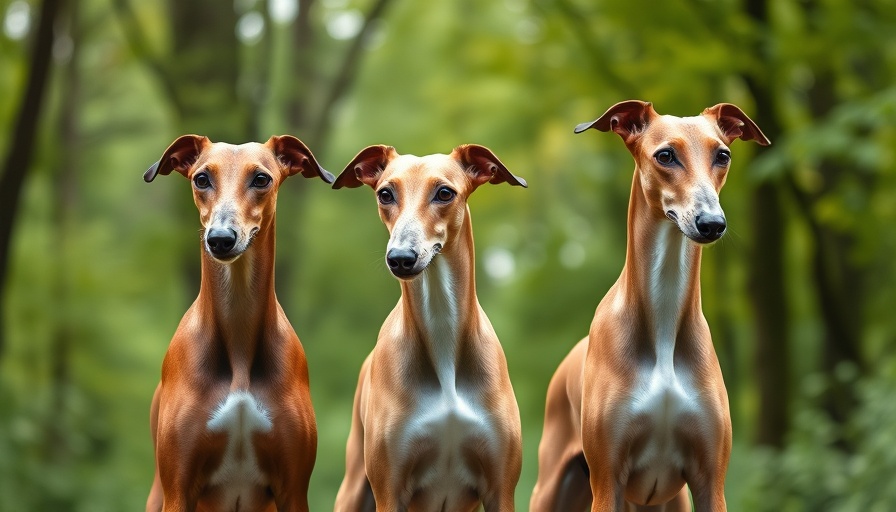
point(97, 267)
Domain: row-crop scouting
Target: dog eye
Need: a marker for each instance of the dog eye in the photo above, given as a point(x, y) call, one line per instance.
point(723, 158)
point(201, 180)
point(261, 180)
point(665, 156)
point(445, 194)
point(385, 196)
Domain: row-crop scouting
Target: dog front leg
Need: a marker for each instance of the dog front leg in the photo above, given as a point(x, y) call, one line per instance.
point(709, 495)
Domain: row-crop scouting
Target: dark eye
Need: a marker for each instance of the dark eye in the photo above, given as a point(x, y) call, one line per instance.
point(445, 194)
point(201, 180)
point(261, 180)
point(665, 156)
point(385, 196)
point(723, 158)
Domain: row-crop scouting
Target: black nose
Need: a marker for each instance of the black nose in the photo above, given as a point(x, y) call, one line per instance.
point(401, 261)
point(220, 241)
point(711, 226)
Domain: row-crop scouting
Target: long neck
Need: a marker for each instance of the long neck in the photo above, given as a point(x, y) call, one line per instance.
point(238, 301)
point(441, 304)
point(661, 279)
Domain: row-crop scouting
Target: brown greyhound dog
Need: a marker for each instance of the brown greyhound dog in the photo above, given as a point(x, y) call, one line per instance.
point(436, 425)
point(231, 419)
point(638, 409)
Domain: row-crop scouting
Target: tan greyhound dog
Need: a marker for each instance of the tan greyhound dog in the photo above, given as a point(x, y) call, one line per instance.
point(639, 407)
point(231, 419)
point(436, 425)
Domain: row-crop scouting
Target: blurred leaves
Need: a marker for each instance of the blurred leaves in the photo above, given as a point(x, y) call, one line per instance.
point(513, 75)
point(812, 474)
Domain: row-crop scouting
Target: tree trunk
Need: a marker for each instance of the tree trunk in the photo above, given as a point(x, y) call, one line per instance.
point(303, 70)
point(766, 281)
point(769, 299)
point(206, 68)
point(839, 282)
point(20, 150)
point(65, 192)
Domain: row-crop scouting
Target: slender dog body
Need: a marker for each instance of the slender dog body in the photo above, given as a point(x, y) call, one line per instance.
point(231, 419)
point(435, 425)
point(639, 407)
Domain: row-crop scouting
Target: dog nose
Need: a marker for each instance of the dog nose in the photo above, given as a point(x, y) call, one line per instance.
point(711, 226)
point(401, 260)
point(220, 241)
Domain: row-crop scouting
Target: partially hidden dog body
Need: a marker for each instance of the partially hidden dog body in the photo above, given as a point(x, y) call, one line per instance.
point(232, 421)
point(638, 408)
point(435, 425)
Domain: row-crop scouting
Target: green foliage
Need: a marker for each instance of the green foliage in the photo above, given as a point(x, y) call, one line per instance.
point(813, 473)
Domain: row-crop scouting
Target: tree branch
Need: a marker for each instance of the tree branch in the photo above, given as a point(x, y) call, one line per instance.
point(348, 71)
point(577, 22)
point(139, 43)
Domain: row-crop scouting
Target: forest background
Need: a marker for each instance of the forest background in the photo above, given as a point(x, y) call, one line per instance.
point(97, 267)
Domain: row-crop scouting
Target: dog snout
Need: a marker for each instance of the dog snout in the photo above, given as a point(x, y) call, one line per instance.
point(711, 226)
point(220, 241)
point(401, 261)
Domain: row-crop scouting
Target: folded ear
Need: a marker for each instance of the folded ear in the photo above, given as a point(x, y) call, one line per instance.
point(627, 118)
point(735, 124)
point(295, 156)
point(366, 167)
point(483, 166)
point(180, 156)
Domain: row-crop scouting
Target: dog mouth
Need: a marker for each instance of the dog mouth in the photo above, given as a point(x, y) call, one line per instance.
point(701, 240)
point(225, 258)
point(671, 215)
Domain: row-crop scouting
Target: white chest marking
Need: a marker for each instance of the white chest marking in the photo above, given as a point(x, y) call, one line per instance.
point(445, 418)
point(667, 282)
point(449, 424)
point(240, 416)
point(661, 394)
point(439, 309)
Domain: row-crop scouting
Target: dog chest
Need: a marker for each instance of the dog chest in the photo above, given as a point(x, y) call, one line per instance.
point(240, 416)
point(665, 415)
point(447, 432)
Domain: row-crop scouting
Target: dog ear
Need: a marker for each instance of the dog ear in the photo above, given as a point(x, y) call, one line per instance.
point(483, 166)
point(627, 118)
point(295, 156)
point(180, 156)
point(366, 167)
point(735, 124)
